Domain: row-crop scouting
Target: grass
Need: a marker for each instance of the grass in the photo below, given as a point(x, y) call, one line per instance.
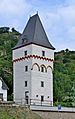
point(17, 113)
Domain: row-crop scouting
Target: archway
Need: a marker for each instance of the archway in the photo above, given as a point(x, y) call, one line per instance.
point(35, 66)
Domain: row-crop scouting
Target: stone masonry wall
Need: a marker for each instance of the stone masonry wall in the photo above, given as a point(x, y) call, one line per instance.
point(56, 115)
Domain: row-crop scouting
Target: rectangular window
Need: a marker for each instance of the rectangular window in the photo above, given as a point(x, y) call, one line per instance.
point(25, 52)
point(42, 98)
point(26, 97)
point(36, 95)
point(42, 83)
point(43, 53)
point(26, 68)
point(1, 96)
point(42, 69)
point(25, 83)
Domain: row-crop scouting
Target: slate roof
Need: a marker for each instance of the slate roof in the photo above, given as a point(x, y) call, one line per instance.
point(4, 86)
point(34, 33)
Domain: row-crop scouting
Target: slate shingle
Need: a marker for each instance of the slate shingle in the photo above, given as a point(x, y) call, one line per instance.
point(34, 33)
point(4, 86)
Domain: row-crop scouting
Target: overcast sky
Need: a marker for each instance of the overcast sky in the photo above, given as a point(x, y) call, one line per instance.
point(57, 16)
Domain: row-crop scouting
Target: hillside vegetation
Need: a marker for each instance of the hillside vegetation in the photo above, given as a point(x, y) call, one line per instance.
point(64, 78)
point(7, 42)
point(64, 68)
point(17, 113)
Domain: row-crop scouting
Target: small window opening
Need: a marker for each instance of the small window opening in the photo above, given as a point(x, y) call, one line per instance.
point(43, 53)
point(26, 68)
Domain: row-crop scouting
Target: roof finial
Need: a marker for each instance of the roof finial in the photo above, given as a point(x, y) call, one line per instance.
point(37, 12)
point(29, 16)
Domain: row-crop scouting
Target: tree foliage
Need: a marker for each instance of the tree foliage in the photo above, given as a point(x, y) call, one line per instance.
point(64, 78)
point(64, 69)
point(4, 30)
point(7, 41)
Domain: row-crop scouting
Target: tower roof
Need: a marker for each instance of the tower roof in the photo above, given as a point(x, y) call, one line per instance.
point(4, 86)
point(34, 33)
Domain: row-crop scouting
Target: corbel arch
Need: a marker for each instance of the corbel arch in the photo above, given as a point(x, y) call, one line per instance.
point(49, 67)
point(35, 64)
point(44, 67)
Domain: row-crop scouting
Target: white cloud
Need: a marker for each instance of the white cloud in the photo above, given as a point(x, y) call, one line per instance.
point(60, 25)
point(15, 7)
point(71, 33)
point(70, 2)
point(58, 20)
point(13, 12)
point(67, 15)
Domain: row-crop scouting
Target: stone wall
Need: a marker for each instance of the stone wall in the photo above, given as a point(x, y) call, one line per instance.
point(56, 115)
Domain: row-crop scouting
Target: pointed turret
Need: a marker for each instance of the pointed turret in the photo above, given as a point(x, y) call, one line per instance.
point(34, 33)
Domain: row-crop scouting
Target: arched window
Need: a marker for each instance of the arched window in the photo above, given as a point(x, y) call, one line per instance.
point(43, 68)
point(49, 68)
point(35, 66)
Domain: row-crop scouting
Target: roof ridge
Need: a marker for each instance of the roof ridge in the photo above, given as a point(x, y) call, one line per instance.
point(35, 28)
point(4, 85)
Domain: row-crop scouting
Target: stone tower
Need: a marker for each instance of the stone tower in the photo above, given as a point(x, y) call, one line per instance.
point(33, 65)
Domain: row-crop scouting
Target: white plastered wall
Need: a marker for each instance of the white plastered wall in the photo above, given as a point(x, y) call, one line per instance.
point(33, 77)
point(4, 92)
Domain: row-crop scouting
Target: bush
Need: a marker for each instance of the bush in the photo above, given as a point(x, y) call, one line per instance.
point(4, 30)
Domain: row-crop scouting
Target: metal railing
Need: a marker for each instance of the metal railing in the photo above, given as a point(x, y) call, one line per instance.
point(34, 102)
point(40, 103)
point(22, 101)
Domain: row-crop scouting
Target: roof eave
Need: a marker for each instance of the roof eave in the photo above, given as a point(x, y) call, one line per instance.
point(34, 44)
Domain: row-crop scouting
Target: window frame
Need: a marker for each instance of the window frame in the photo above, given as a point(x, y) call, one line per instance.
point(26, 68)
point(42, 83)
point(42, 69)
point(26, 83)
point(43, 53)
point(42, 98)
point(25, 53)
